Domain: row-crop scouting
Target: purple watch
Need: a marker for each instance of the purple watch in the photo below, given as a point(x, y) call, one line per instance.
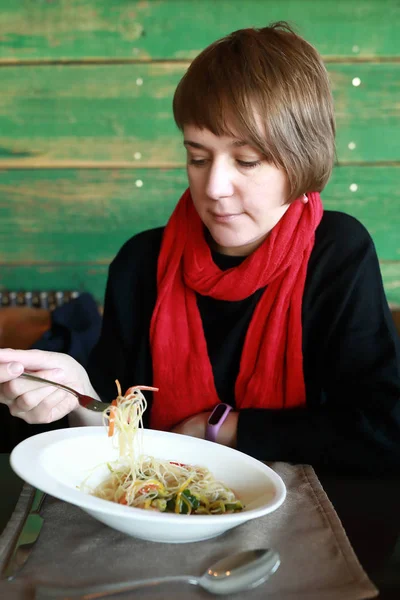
point(216, 419)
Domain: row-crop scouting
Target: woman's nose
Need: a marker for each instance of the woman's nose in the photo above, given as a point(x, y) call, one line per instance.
point(219, 183)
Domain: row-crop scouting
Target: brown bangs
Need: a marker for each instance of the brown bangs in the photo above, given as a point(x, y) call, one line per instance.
point(209, 96)
point(267, 87)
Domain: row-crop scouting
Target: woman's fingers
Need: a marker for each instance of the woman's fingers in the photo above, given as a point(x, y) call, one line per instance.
point(27, 394)
point(13, 388)
point(34, 408)
point(10, 370)
point(57, 375)
point(33, 360)
point(14, 362)
point(37, 402)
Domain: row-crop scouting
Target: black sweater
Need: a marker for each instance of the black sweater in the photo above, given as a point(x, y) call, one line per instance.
point(351, 421)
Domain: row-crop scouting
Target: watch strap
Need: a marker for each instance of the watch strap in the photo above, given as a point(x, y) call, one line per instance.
point(221, 411)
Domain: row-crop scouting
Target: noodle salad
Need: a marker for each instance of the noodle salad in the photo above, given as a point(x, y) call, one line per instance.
point(147, 482)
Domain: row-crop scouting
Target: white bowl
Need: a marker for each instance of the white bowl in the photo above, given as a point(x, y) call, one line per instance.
point(58, 462)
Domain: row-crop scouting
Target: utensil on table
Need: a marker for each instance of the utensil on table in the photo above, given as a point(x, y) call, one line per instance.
point(234, 573)
point(85, 401)
point(24, 543)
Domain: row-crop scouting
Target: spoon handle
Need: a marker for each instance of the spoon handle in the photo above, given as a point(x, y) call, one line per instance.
point(44, 592)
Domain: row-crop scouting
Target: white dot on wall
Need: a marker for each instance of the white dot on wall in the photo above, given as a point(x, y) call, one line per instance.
point(139, 183)
point(353, 187)
point(139, 81)
point(351, 145)
point(137, 155)
point(356, 81)
point(356, 49)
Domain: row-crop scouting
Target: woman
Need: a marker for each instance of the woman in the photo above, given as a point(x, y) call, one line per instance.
point(252, 300)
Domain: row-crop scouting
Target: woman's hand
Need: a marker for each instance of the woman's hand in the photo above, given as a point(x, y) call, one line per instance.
point(35, 402)
point(196, 426)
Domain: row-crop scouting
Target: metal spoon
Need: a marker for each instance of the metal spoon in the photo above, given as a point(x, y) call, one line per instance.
point(85, 401)
point(234, 573)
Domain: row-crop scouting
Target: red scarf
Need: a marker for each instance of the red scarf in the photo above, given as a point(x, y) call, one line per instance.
point(271, 366)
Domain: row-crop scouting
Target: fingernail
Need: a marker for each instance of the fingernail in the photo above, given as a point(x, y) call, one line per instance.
point(15, 368)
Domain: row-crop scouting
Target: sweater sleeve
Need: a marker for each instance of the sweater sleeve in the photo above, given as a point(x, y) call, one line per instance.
point(352, 421)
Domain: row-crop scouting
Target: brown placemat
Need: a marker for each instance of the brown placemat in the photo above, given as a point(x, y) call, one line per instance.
point(318, 562)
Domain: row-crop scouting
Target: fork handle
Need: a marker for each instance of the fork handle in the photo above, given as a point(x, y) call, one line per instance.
point(44, 592)
point(53, 383)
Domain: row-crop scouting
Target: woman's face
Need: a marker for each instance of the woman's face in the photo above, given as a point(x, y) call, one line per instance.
point(238, 195)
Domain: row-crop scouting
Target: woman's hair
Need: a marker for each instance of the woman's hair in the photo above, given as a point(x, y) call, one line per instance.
point(268, 87)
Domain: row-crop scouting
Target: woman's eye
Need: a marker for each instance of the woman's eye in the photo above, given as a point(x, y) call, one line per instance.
point(198, 162)
point(201, 162)
point(249, 164)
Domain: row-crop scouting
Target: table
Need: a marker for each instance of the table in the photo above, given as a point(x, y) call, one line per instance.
point(369, 509)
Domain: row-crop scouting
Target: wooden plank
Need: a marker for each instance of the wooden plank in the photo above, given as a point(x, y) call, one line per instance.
point(55, 116)
point(72, 216)
point(391, 279)
point(80, 215)
point(372, 195)
point(159, 29)
point(367, 115)
point(97, 113)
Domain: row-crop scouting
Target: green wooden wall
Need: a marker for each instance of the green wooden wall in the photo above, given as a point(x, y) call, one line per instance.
point(89, 152)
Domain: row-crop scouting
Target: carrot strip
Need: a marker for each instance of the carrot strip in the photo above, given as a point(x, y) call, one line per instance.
point(141, 387)
point(111, 419)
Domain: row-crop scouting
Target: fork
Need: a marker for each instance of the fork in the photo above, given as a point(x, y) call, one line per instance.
point(85, 401)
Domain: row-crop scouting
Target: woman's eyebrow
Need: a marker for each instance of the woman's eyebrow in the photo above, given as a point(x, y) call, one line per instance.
point(239, 143)
point(194, 144)
point(236, 144)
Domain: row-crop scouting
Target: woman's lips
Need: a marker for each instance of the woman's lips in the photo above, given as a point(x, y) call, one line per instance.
point(225, 218)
